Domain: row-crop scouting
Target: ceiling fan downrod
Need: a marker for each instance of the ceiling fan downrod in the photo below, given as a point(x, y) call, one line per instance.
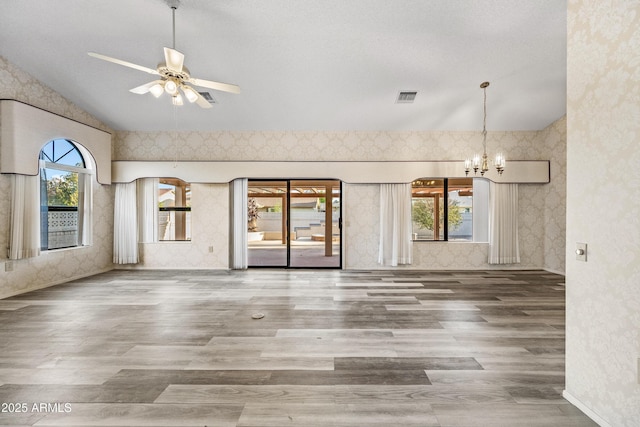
point(173, 4)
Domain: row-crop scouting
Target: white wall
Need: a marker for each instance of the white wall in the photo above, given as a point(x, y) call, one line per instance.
point(603, 183)
point(54, 266)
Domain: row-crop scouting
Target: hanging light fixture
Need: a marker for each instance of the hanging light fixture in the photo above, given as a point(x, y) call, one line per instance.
point(482, 163)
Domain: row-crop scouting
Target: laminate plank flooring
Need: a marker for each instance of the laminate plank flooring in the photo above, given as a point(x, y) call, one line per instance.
point(334, 348)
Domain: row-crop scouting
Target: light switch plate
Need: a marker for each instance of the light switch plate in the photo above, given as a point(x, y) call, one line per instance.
point(581, 252)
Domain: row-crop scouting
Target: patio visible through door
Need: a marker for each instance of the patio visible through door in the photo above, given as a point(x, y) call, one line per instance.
point(294, 223)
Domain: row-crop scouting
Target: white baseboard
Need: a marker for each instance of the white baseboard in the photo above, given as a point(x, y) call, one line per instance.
point(550, 270)
point(56, 282)
point(588, 412)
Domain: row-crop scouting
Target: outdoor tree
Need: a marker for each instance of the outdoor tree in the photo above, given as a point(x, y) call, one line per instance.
point(422, 212)
point(63, 190)
point(252, 214)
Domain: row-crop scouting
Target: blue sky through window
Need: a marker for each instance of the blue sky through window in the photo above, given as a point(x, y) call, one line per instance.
point(62, 152)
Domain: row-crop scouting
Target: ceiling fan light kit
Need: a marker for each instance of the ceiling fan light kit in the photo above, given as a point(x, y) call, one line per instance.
point(171, 87)
point(175, 77)
point(192, 95)
point(157, 89)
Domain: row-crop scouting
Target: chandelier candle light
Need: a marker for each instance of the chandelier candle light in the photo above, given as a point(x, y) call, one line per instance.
point(482, 163)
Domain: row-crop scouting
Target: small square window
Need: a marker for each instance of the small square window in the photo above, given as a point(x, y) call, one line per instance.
point(433, 200)
point(174, 210)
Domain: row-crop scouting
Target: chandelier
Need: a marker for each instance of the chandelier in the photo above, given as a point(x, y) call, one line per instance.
point(482, 163)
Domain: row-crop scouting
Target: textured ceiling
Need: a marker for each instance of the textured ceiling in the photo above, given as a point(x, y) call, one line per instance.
point(303, 64)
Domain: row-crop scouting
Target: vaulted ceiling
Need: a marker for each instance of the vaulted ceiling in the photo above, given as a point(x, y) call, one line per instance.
point(303, 64)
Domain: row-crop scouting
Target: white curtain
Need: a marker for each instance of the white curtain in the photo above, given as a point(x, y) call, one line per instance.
point(85, 209)
point(125, 233)
point(148, 210)
point(24, 241)
point(503, 224)
point(239, 237)
point(395, 225)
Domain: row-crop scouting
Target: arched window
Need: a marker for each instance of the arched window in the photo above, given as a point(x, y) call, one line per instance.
point(65, 196)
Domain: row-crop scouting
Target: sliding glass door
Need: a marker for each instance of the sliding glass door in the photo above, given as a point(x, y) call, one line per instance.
point(267, 219)
point(294, 223)
point(315, 223)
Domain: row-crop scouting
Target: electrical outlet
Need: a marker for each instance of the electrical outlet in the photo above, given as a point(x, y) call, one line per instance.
point(210, 249)
point(8, 266)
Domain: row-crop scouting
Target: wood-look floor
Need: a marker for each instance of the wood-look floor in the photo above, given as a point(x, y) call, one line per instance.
point(334, 348)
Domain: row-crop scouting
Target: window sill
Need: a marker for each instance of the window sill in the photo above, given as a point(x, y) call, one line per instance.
point(71, 248)
point(447, 241)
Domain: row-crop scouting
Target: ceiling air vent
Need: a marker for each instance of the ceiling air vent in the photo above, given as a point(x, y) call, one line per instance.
point(406, 97)
point(208, 97)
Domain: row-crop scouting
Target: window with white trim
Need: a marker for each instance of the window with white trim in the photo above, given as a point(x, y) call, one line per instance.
point(65, 196)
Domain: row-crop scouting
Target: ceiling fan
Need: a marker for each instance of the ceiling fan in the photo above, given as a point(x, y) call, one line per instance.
point(174, 76)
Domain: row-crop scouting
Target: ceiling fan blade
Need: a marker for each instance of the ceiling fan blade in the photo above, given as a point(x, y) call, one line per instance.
point(141, 90)
point(202, 102)
point(125, 63)
point(173, 59)
point(225, 87)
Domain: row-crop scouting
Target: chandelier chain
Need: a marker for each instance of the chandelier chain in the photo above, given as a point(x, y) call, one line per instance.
point(484, 122)
point(478, 163)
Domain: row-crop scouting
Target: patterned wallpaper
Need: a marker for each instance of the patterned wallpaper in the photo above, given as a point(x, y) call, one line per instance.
point(299, 145)
point(555, 196)
point(59, 266)
point(361, 235)
point(539, 245)
point(210, 228)
point(603, 181)
point(18, 85)
point(361, 225)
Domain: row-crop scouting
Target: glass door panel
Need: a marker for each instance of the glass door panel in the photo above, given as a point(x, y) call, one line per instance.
point(267, 215)
point(314, 226)
point(427, 209)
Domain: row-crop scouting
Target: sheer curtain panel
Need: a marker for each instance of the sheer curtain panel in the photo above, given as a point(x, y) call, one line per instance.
point(24, 241)
point(239, 237)
point(125, 230)
point(85, 209)
point(395, 225)
point(148, 210)
point(503, 224)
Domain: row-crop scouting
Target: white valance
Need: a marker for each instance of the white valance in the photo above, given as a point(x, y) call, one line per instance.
point(25, 129)
point(352, 172)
